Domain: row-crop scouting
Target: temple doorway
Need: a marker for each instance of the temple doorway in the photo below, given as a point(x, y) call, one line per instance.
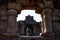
point(31, 24)
point(29, 30)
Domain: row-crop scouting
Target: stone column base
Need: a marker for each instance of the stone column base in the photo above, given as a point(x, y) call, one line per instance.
point(48, 36)
point(8, 37)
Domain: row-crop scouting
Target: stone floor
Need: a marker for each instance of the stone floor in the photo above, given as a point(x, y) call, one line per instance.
point(31, 38)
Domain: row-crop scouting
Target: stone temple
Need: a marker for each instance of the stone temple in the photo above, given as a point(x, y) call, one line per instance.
point(29, 27)
point(49, 27)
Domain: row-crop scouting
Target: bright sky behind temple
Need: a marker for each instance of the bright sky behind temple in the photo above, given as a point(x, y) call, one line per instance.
point(25, 13)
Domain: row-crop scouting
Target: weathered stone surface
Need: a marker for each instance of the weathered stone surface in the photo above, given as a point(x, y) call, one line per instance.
point(3, 18)
point(16, 6)
point(56, 20)
point(12, 12)
point(48, 4)
point(10, 9)
point(41, 5)
point(12, 24)
point(48, 21)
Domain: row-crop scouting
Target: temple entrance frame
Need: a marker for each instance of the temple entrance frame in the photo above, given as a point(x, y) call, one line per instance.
point(43, 26)
point(15, 8)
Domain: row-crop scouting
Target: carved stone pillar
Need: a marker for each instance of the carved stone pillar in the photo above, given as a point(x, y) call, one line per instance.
point(12, 27)
point(48, 20)
point(49, 35)
point(3, 21)
point(43, 21)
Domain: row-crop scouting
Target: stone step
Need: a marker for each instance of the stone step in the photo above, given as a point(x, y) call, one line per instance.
point(31, 38)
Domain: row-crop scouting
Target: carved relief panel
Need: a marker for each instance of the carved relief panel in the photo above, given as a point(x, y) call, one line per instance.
point(3, 20)
point(56, 20)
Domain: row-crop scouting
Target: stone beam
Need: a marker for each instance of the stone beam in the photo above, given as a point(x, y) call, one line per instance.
point(16, 6)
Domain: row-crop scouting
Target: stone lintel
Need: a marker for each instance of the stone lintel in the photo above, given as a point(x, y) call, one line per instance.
point(13, 5)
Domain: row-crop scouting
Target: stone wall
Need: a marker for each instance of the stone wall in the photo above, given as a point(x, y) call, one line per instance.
point(10, 10)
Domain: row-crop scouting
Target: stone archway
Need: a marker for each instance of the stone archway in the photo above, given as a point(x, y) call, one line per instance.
point(10, 11)
point(15, 8)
